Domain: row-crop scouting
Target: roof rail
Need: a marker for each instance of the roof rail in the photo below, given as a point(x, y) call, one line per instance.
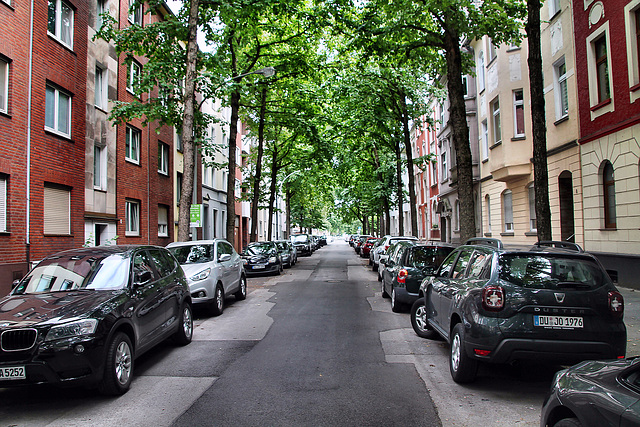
point(486, 241)
point(570, 246)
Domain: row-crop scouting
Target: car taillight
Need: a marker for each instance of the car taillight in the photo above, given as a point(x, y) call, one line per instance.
point(386, 247)
point(616, 304)
point(493, 298)
point(402, 276)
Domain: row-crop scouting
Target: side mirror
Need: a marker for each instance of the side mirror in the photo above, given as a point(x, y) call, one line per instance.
point(14, 284)
point(142, 278)
point(383, 261)
point(224, 258)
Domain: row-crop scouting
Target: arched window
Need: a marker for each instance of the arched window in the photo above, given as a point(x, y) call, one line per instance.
point(487, 203)
point(507, 211)
point(532, 207)
point(609, 195)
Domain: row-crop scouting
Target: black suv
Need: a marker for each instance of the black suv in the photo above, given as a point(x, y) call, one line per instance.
point(82, 316)
point(553, 302)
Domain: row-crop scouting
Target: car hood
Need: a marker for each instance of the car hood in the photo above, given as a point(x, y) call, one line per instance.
point(191, 269)
point(51, 308)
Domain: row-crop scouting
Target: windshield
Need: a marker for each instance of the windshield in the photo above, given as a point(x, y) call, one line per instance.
point(282, 246)
point(259, 249)
point(300, 238)
point(551, 272)
point(194, 254)
point(73, 272)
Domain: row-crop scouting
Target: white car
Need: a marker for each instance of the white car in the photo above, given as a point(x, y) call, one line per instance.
point(381, 250)
point(214, 271)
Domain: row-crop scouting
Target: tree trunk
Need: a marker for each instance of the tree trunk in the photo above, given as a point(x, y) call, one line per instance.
point(400, 191)
point(272, 190)
point(258, 176)
point(231, 177)
point(188, 170)
point(387, 217)
point(409, 151)
point(540, 171)
point(460, 131)
point(288, 209)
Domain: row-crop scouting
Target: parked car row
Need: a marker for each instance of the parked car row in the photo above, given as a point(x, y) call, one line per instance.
point(553, 302)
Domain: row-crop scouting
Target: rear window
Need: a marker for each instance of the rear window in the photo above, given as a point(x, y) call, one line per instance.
point(551, 272)
point(429, 257)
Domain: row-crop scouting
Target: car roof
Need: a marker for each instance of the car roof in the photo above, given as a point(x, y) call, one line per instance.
point(102, 250)
point(195, 242)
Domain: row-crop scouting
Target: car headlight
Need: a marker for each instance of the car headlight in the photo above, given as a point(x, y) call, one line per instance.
point(72, 329)
point(244, 261)
point(273, 260)
point(201, 275)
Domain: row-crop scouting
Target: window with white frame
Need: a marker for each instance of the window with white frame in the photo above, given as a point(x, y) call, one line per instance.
point(207, 175)
point(163, 158)
point(99, 167)
point(554, 7)
point(163, 221)
point(518, 113)
point(3, 204)
point(560, 89)
point(101, 81)
point(132, 217)
point(442, 124)
point(487, 203)
point(57, 116)
point(485, 140)
point(60, 21)
point(457, 215)
point(133, 75)
point(4, 86)
point(101, 7)
point(493, 51)
point(532, 207)
point(434, 173)
point(57, 210)
point(632, 24)
point(135, 12)
point(480, 72)
point(443, 161)
point(602, 68)
point(495, 113)
point(507, 210)
point(179, 142)
point(178, 188)
point(465, 87)
point(132, 145)
point(237, 188)
point(608, 194)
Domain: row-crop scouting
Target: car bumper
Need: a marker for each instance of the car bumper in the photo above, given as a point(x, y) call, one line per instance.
point(251, 270)
point(403, 296)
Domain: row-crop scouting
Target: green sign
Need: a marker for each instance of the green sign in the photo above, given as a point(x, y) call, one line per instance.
point(195, 216)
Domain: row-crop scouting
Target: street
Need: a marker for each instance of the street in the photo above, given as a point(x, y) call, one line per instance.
point(316, 346)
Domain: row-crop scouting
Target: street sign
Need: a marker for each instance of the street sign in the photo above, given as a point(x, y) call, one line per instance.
point(195, 216)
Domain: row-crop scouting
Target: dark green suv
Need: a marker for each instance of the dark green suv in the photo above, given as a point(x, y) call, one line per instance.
point(553, 302)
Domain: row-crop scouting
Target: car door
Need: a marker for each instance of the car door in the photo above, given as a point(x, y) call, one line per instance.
point(224, 263)
point(172, 288)
point(148, 294)
point(388, 270)
point(454, 286)
point(433, 296)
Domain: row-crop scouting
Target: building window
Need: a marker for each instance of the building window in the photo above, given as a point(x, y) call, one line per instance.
point(4, 86)
point(637, 15)
point(57, 111)
point(443, 162)
point(457, 215)
point(560, 85)
point(101, 7)
point(132, 217)
point(135, 12)
point(434, 173)
point(495, 111)
point(99, 167)
point(487, 203)
point(532, 208)
point(132, 145)
point(133, 76)
point(518, 113)
point(60, 21)
point(3, 204)
point(163, 158)
point(465, 87)
point(57, 210)
point(480, 72)
point(554, 7)
point(178, 188)
point(602, 69)
point(609, 193)
point(485, 140)
point(507, 211)
point(442, 123)
point(163, 221)
point(493, 51)
point(179, 142)
point(101, 87)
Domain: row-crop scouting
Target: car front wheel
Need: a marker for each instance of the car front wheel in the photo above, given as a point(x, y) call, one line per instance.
point(118, 367)
point(242, 292)
point(463, 368)
point(419, 320)
point(217, 305)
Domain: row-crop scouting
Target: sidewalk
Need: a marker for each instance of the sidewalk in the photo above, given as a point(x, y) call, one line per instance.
point(632, 319)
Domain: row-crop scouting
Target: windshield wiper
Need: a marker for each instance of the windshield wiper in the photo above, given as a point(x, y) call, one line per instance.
point(573, 285)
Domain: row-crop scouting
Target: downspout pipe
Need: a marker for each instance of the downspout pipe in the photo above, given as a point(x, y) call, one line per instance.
point(28, 183)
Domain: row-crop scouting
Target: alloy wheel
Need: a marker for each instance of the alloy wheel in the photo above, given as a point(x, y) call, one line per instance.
point(123, 363)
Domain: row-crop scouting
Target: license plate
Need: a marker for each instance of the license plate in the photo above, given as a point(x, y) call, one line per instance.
point(13, 373)
point(258, 267)
point(565, 322)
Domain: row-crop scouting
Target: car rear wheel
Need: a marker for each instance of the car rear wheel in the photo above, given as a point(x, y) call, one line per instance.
point(568, 422)
point(217, 305)
point(396, 306)
point(374, 267)
point(419, 320)
point(118, 367)
point(462, 367)
point(184, 334)
point(242, 292)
